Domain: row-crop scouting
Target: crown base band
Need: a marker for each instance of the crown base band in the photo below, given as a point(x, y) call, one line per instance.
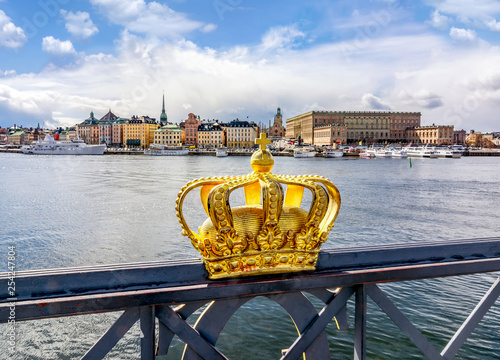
point(261, 263)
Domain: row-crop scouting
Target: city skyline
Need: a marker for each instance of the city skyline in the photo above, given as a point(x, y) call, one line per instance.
point(59, 60)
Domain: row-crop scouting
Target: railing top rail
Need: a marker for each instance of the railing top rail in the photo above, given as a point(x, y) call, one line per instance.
point(44, 283)
point(83, 289)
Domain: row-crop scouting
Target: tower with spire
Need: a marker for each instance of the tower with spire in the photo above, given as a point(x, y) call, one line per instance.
point(278, 118)
point(277, 130)
point(163, 116)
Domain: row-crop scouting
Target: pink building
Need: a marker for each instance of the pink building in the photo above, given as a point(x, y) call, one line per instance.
point(191, 129)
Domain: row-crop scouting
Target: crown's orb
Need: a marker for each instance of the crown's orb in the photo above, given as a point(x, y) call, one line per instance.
point(262, 161)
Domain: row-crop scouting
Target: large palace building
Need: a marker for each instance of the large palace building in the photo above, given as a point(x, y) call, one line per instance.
point(352, 126)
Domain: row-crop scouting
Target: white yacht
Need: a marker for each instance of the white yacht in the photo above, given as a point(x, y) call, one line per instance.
point(448, 153)
point(421, 151)
point(400, 153)
point(50, 146)
point(368, 154)
point(332, 153)
point(385, 153)
point(221, 152)
point(304, 152)
point(164, 150)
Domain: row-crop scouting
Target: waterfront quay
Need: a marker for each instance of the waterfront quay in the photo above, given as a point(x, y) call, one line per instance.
point(197, 152)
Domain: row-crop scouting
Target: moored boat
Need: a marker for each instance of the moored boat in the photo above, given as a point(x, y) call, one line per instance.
point(164, 150)
point(221, 152)
point(351, 151)
point(50, 146)
point(383, 153)
point(367, 154)
point(447, 152)
point(332, 153)
point(399, 153)
point(304, 152)
point(421, 151)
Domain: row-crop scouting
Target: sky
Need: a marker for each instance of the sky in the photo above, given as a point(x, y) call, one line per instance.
point(227, 59)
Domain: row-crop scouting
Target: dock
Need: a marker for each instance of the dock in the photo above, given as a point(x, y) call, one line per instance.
point(483, 152)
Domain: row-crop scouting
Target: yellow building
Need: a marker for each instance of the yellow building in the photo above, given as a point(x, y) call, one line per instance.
point(435, 134)
point(210, 135)
point(301, 127)
point(368, 126)
point(69, 134)
point(241, 134)
point(330, 134)
point(474, 138)
point(16, 137)
point(139, 132)
point(169, 135)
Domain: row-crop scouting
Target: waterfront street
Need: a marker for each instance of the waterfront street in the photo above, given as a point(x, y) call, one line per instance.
point(64, 211)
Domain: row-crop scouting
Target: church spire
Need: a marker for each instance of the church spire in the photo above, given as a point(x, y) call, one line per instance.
point(163, 116)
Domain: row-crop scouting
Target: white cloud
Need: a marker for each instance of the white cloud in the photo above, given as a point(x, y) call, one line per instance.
point(479, 13)
point(424, 98)
point(467, 9)
point(57, 47)
point(11, 36)
point(439, 21)
point(150, 18)
point(462, 34)
point(79, 24)
point(492, 24)
point(402, 73)
point(7, 73)
point(209, 28)
point(281, 36)
point(372, 102)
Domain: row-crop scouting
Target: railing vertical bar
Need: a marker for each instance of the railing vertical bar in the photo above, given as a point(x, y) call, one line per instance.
point(360, 324)
point(318, 324)
point(113, 335)
point(302, 312)
point(326, 296)
point(472, 321)
point(189, 335)
point(147, 325)
point(165, 335)
point(402, 322)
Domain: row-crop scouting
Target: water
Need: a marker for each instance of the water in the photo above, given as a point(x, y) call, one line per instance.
point(74, 211)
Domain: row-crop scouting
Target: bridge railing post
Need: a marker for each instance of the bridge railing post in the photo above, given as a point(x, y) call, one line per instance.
point(360, 323)
point(148, 337)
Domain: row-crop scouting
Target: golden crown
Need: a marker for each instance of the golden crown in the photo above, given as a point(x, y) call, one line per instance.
point(271, 233)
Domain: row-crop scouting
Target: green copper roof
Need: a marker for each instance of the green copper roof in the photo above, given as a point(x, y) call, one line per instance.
point(171, 127)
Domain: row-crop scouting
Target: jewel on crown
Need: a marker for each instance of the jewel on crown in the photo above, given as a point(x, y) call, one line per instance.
point(271, 233)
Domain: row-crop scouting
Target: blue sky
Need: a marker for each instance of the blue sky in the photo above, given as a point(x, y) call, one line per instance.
point(62, 59)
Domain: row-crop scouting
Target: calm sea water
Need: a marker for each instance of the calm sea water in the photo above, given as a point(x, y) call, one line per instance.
point(63, 211)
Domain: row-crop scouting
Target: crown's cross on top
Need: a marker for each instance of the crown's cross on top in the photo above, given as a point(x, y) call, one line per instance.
point(262, 141)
